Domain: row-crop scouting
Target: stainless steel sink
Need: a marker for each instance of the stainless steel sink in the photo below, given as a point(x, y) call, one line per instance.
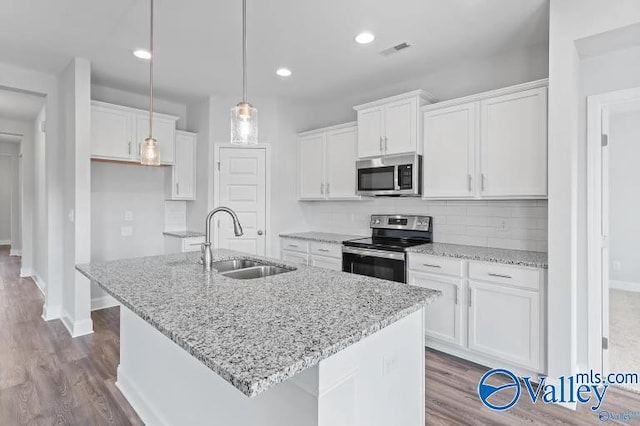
point(260, 271)
point(233, 264)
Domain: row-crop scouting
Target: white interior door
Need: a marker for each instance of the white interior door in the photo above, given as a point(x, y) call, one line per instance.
point(242, 187)
point(605, 242)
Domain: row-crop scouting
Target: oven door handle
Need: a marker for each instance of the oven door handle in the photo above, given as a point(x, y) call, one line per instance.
point(374, 253)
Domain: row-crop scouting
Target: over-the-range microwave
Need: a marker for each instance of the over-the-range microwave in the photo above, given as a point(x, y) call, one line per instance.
point(390, 175)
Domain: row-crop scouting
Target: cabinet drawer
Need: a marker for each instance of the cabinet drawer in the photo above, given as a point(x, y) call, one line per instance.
point(192, 244)
point(295, 245)
point(436, 264)
point(498, 273)
point(294, 257)
point(326, 262)
point(327, 249)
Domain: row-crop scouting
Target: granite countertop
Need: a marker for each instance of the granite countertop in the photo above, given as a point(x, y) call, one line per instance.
point(255, 333)
point(485, 254)
point(184, 234)
point(323, 237)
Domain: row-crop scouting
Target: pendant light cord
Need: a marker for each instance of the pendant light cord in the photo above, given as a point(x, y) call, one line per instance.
point(244, 51)
point(151, 77)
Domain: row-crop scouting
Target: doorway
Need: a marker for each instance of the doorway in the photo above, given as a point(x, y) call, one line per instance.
point(242, 176)
point(614, 255)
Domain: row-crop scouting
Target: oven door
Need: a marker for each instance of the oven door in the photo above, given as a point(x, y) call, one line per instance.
point(374, 263)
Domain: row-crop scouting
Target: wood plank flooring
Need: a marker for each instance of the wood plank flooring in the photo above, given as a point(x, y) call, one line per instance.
point(47, 378)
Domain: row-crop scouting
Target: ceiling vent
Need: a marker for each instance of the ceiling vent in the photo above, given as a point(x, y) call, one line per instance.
point(395, 49)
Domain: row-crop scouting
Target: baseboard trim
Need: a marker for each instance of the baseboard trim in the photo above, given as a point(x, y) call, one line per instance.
point(51, 312)
point(41, 284)
point(15, 252)
point(624, 285)
point(5, 242)
point(137, 401)
point(77, 328)
point(26, 272)
point(103, 302)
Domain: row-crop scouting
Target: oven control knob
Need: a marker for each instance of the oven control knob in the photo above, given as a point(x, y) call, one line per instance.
point(420, 223)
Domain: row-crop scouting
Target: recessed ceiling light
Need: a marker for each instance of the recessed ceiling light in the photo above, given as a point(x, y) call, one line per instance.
point(365, 38)
point(142, 54)
point(283, 72)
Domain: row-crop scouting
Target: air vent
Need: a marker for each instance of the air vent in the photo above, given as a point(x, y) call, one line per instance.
point(395, 49)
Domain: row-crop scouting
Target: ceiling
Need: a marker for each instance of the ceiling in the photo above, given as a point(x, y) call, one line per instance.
point(198, 41)
point(19, 106)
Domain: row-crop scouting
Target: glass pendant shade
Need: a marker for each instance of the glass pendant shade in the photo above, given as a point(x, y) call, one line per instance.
point(244, 124)
point(150, 155)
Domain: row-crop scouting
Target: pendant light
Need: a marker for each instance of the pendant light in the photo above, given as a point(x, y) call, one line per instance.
point(150, 155)
point(244, 117)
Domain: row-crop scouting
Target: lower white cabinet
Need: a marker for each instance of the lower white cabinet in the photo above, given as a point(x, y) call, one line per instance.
point(312, 253)
point(489, 313)
point(174, 244)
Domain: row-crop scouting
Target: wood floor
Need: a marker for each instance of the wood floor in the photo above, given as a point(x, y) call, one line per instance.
point(47, 378)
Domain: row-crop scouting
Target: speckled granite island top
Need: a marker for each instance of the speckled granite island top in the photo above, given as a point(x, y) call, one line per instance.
point(484, 254)
point(183, 234)
point(255, 333)
point(322, 237)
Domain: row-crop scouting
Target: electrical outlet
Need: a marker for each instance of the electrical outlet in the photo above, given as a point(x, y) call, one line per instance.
point(128, 215)
point(389, 364)
point(126, 231)
point(617, 265)
point(504, 224)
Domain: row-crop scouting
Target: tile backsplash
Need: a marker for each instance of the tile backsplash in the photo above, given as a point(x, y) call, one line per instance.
point(520, 225)
point(175, 215)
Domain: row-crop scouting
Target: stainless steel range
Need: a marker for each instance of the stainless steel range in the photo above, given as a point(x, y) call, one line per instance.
point(384, 254)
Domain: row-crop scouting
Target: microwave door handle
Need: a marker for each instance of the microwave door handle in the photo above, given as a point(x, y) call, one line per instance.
point(396, 177)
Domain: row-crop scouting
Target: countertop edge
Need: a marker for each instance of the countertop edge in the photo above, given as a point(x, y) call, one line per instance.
point(293, 236)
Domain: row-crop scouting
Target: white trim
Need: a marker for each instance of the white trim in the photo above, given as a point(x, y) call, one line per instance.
point(423, 94)
point(51, 312)
point(40, 283)
point(485, 95)
point(103, 302)
point(26, 272)
point(216, 188)
point(348, 125)
point(624, 285)
point(15, 252)
point(5, 242)
point(139, 404)
point(597, 290)
point(77, 328)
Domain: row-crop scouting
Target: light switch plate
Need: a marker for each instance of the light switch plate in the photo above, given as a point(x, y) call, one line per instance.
point(126, 231)
point(128, 215)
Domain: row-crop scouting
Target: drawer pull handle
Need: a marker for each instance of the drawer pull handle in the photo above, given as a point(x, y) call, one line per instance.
point(428, 265)
point(195, 244)
point(491, 274)
point(324, 250)
point(292, 245)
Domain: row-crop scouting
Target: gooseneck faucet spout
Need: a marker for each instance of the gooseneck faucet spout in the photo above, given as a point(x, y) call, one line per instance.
point(207, 256)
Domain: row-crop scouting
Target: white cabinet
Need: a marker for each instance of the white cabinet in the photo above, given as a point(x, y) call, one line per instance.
point(514, 145)
point(489, 313)
point(504, 323)
point(117, 133)
point(312, 253)
point(173, 244)
point(443, 317)
point(180, 180)
point(391, 125)
point(450, 136)
point(487, 146)
point(327, 163)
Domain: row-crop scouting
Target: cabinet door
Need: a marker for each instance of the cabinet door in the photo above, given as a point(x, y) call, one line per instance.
point(341, 155)
point(293, 257)
point(449, 152)
point(514, 145)
point(326, 262)
point(311, 167)
point(370, 132)
point(401, 127)
point(184, 169)
point(111, 133)
point(164, 132)
point(443, 317)
point(504, 323)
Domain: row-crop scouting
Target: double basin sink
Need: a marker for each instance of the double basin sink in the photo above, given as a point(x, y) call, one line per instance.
point(247, 269)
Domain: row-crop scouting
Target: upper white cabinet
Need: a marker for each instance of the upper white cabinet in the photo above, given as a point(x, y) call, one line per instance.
point(181, 179)
point(391, 125)
point(117, 133)
point(327, 163)
point(487, 146)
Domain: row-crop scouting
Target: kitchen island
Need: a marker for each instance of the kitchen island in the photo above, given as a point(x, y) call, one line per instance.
point(306, 347)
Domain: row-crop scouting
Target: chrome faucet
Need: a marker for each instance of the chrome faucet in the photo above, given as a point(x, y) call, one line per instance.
point(207, 256)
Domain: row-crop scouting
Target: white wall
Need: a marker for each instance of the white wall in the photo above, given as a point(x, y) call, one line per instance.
point(624, 204)
point(570, 21)
point(9, 194)
point(39, 183)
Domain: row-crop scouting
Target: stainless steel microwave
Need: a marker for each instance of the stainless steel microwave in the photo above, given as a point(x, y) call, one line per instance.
point(390, 175)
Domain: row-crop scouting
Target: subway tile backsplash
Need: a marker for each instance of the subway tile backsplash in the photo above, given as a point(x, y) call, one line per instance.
point(520, 225)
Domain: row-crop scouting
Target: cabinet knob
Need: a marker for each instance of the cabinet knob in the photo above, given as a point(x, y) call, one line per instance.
point(260, 232)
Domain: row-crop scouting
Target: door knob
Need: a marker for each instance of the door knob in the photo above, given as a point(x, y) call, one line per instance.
point(260, 232)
